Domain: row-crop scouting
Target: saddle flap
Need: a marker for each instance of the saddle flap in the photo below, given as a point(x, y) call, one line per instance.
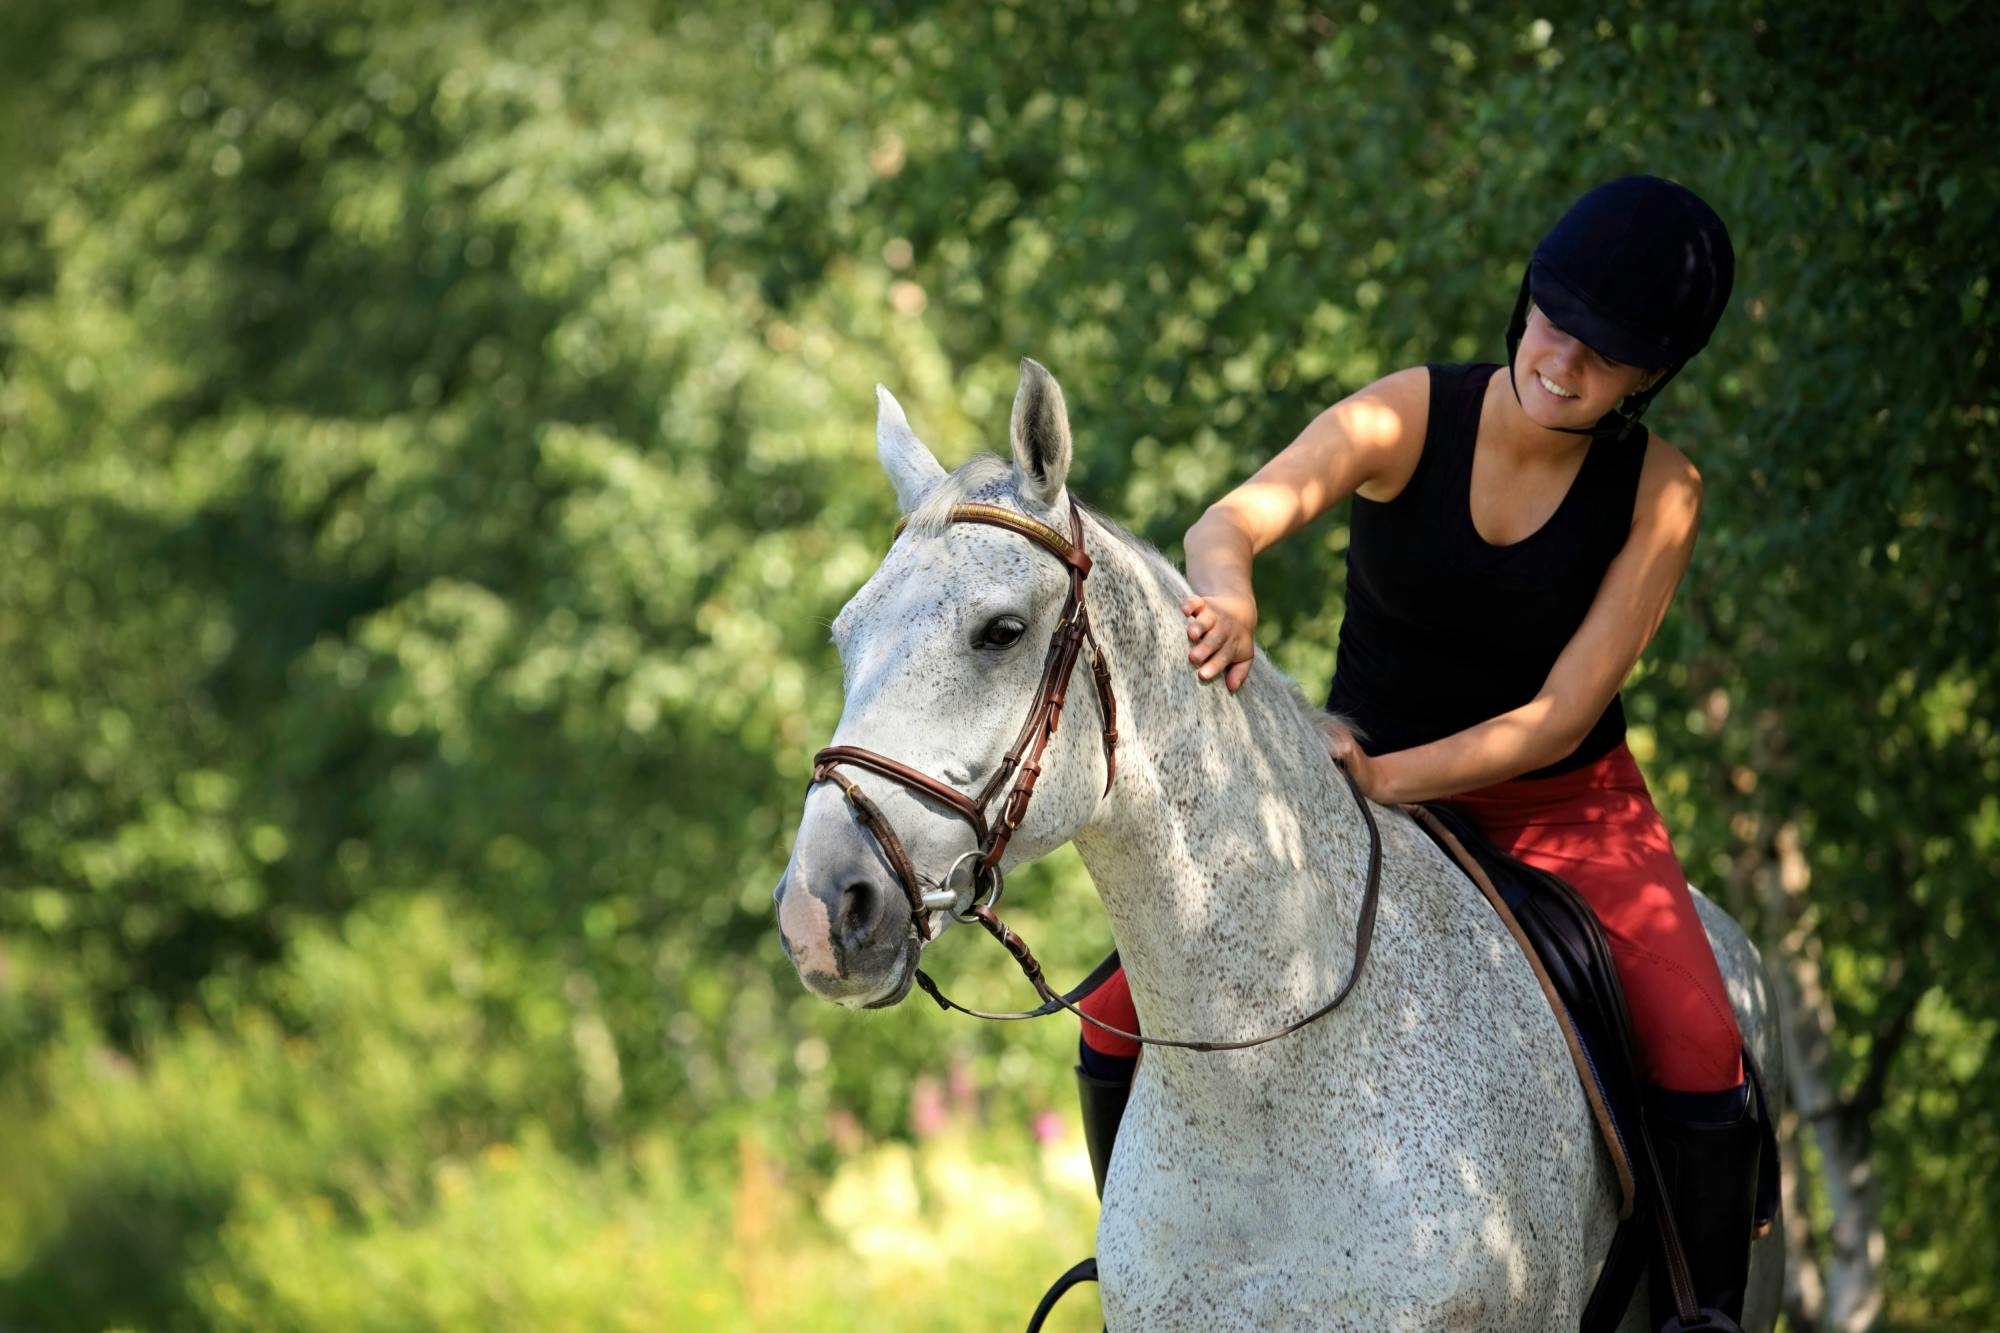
point(1564, 946)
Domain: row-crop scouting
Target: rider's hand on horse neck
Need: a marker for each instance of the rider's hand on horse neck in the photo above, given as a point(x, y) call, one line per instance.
point(1222, 636)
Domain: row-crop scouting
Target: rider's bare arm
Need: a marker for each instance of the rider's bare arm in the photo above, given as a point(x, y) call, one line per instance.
point(1368, 442)
point(1630, 603)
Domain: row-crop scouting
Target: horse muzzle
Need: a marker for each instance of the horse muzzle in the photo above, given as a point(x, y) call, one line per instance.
point(845, 921)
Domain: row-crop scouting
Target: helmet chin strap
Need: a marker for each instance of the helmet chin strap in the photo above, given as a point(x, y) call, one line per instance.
point(1615, 425)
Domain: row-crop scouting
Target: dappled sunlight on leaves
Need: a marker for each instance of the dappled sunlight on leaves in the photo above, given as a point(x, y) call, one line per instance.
point(436, 439)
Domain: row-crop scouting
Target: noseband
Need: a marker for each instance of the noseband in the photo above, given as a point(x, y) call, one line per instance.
point(1024, 763)
point(1023, 760)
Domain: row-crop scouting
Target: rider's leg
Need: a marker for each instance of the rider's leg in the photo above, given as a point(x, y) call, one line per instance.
point(1104, 1068)
point(1707, 1145)
point(1599, 830)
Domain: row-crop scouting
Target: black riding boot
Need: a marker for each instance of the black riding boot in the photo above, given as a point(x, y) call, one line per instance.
point(1709, 1171)
point(1103, 1107)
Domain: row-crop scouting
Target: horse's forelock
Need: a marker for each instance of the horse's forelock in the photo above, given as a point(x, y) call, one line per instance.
point(973, 479)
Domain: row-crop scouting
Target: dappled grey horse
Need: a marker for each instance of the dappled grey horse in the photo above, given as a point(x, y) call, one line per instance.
point(1423, 1157)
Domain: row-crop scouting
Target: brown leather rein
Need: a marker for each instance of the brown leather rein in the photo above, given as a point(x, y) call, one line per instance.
point(1023, 761)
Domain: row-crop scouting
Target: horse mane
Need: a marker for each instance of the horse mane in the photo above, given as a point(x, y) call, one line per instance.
point(986, 478)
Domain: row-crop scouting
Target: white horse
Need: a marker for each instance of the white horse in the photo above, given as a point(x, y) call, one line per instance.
point(1423, 1157)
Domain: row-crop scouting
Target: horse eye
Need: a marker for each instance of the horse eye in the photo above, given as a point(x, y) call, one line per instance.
point(1000, 632)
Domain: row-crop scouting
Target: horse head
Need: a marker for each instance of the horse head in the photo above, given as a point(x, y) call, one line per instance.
point(944, 651)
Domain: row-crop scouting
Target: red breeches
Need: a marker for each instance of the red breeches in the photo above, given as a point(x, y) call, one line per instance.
point(1597, 828)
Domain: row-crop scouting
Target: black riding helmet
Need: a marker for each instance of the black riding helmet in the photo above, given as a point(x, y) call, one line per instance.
point(1639, 269)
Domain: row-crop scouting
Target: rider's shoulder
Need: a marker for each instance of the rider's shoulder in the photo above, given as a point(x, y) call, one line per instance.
point(1392, 416)
point(1408, 389)
point(1668, 465)
point(1669, 484)
point(1389, 411)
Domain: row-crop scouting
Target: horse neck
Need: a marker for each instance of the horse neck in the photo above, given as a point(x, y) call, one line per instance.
point(1229, 854)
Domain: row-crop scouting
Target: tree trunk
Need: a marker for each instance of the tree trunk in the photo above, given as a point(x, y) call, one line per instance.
point(1834, 1281)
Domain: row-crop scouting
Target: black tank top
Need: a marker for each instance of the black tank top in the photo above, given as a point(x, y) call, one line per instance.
point(1443, 630)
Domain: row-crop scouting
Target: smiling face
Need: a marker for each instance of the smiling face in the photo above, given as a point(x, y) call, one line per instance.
point(1564, 382)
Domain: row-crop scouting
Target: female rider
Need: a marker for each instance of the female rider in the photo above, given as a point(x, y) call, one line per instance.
point(1516, 539)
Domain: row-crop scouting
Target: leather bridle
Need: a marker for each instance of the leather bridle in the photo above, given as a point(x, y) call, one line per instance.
point(1023, 762)
point(1024, 759)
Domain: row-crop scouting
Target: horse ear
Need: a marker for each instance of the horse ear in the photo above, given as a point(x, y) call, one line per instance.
point(1040, 435)
point(911, 467)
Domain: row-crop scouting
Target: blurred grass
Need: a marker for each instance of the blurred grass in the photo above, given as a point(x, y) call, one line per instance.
point(357, 1173)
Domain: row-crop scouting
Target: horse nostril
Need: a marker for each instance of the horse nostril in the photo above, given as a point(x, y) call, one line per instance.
point(860, 907)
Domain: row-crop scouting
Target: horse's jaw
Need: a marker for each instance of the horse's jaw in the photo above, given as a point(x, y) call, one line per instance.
point(893, 989)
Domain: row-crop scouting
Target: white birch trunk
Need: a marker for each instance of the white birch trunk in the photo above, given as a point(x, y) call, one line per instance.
point(1844, 1293)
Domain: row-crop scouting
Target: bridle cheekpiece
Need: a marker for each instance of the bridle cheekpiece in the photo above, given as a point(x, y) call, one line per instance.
point(1023, 761)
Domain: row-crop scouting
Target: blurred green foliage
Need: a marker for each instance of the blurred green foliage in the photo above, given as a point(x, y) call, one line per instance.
point(435, 439)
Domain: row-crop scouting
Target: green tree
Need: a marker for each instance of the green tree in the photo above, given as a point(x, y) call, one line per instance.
point(435, 440)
